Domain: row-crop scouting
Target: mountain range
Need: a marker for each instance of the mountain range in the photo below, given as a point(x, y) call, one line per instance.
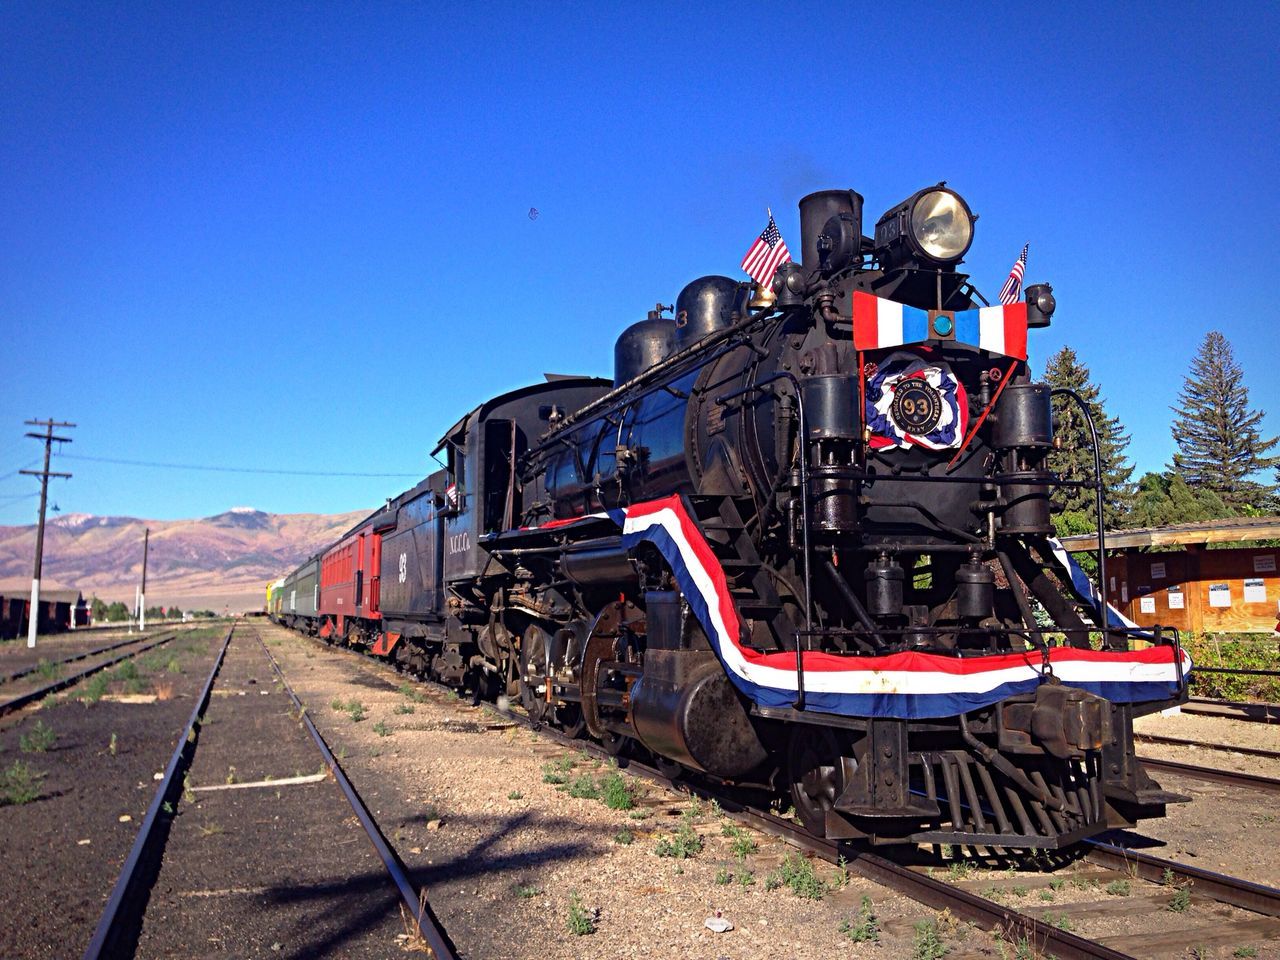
point(223, 562)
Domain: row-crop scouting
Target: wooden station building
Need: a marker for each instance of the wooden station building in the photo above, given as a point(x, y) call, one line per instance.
point(1169, 576)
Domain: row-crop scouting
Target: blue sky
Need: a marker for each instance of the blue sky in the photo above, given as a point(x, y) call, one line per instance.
point(297, 236)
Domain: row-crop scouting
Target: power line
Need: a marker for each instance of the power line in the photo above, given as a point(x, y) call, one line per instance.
point(214, 469)
point(25, 466)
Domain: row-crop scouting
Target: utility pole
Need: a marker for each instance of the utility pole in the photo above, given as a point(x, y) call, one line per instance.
point(142, 601)
point(44, 476)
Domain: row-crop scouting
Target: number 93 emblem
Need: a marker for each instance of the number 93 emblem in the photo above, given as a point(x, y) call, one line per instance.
point(404, 567)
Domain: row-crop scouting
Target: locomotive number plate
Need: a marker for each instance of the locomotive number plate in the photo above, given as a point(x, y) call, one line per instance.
point(917, 406)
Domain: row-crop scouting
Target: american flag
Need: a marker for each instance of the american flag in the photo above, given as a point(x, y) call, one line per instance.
point(1012, 288)
point(767, 254)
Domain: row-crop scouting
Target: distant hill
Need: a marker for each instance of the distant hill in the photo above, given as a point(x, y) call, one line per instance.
point(223, 561)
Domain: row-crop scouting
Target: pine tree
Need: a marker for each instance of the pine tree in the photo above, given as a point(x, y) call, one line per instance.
point(1073, 460)
point(1165, 498)
point(1220, 445)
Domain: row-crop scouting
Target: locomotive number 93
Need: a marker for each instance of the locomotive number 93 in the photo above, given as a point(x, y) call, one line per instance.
point(802, 540)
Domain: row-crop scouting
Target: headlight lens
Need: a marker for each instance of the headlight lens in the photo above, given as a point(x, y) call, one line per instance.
point(941, 225)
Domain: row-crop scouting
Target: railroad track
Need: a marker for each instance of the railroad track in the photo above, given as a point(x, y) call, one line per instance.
point(1231, 778)
point(118, 929)
point(1224, 747)
point(39, 693)
point(50, 664)
point(1233, 710)
point(1152, 882)
point(1040, 928)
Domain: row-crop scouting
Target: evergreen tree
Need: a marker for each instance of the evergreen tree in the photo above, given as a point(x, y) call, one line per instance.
point(1073, 460)
point(1220, 445)
point(1165, 498)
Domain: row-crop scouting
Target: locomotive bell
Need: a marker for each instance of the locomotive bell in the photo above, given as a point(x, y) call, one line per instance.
point(763, 298)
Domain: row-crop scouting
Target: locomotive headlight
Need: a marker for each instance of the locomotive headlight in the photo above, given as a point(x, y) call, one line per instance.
point(933, 226)
point(942, 225)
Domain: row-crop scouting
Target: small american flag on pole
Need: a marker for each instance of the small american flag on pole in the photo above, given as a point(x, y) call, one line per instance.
point(1012, 288)
point(767, 254)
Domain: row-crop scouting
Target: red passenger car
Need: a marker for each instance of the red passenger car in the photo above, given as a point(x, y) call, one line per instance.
point(349, 581)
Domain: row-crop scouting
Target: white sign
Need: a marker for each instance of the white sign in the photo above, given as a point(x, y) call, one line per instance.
point(1147, 604)
point(1113, 584)
point(1176, 599)
point(1219, 594)
point(1265, 563)
point(1157, 571)
point(1255, 591)
point(1124, 593)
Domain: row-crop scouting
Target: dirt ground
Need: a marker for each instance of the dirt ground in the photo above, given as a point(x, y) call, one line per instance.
point(279, 870)
point(507, 833)
point(65, 841)
point(1223, 828)
point(505, 856)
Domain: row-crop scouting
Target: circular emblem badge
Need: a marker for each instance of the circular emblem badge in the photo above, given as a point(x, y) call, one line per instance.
point(917, 406)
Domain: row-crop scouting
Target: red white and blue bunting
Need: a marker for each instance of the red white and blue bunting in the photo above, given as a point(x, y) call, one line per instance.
point(908, 686)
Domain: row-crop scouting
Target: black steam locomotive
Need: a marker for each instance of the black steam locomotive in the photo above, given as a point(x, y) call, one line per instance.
point(803, 540)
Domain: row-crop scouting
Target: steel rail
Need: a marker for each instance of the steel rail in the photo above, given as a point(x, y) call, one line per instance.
point(128, 897)
point(22, 700)
point(933, 893)
point(1246, 894)
point(1223, 747)
point(938, 895)
point(1233, 710)
point(428, 924)
point(1212, 774)
point(912, 884)
point(79, 656)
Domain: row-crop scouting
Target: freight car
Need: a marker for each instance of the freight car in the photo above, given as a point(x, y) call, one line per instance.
point(802, 541)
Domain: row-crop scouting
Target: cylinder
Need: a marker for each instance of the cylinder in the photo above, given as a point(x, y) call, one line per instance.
point(815, 210)
point(641, 346)
point(685, 708)
point(831, 407)
point(1024, 417)
point(975, 591)
point(833, 500)
point(703, 307)
point(884, 588)
point(602, 565)
point(1026, 499)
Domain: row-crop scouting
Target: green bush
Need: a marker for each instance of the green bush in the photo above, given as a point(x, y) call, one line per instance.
point(95, 689)
point(681, 845)
point(797, 873)
point(581, 921)
point(584, 787)
point(928, 944)
point(47, 670)
point(19, 784)
point(1234, 652)
point(616, 792)
point(864, 927)
point(39, 739)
